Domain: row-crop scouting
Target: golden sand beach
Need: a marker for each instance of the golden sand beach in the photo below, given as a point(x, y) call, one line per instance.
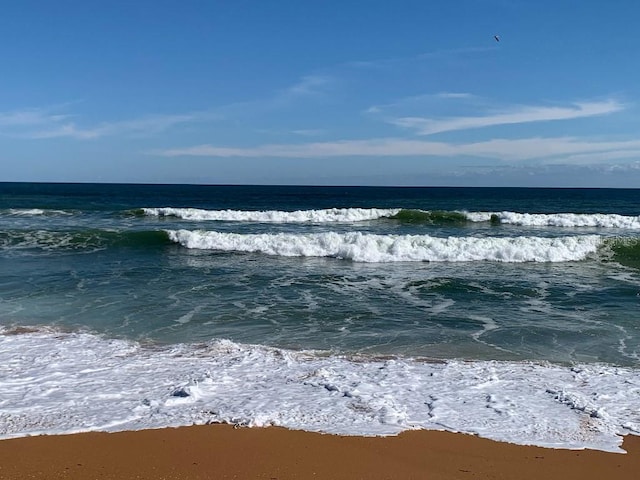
point(224, 452)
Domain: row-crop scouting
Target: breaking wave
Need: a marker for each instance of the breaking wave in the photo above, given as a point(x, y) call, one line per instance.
point(30, 212)
point(353, 246)
point(567, 220)
point(362, 247)
point(408, 216)
point(275, 216)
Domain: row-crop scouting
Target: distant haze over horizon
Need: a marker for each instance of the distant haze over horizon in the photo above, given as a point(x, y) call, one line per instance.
point(328, 186)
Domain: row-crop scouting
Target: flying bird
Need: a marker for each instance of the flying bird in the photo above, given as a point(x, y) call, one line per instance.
point(497, 38)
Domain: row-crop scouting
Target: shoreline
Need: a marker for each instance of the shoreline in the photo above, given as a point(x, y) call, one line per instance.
point(222, 451)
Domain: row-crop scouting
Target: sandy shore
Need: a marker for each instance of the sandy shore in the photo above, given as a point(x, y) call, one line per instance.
point(220, 451)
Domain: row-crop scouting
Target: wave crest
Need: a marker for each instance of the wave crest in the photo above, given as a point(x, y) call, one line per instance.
point(275, 216)
point(361, 247)
point(33, 212)
point(567, 220)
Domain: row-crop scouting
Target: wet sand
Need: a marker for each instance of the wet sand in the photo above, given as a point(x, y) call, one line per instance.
point(220, 451)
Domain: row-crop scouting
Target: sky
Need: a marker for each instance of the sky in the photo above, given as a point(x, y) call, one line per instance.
point(368, 92)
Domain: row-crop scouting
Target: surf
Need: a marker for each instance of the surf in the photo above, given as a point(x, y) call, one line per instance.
point(563, 220)
point(330, 215)
point(375, 248)
point(65, 382)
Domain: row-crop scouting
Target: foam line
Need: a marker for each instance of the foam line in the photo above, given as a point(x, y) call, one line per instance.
point(54, 382)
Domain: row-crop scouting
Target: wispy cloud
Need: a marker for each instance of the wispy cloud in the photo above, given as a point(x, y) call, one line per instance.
point(431, 55)
point(68, 129)
point(382, 147)
point(41, 123)
point(308, 85)
point(426, 99)
point(523, 114)
point(306, 88)
point(29, 117)
point(309, 132)
point(454, 95)
point(557, 148)
point(509, 150)
point(49, 122)
point(593, 158)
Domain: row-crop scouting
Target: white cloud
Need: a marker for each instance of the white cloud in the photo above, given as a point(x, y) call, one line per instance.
point(602, 157)
point(544, 148)
point(501, 149)
point(308, 85)
point(41, 124)
point(69, 130)
point(454, 95)
point(29, 117)
point(423, 100)
point(383, 147)
point(309, 132)
point(305, 88)
point(151, 124)
point(524, 114)
point(46, 123)
point(393, 62)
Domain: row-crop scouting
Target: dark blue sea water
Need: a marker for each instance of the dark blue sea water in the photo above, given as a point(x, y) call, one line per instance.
point(348, 276)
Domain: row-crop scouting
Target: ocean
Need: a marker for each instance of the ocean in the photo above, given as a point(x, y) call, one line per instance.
point(509, 313)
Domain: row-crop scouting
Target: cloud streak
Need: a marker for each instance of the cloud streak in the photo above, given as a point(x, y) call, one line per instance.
point(29, 118)
point(422, 100)
point(42, 124)
point(425, 56)
point(308, 85)
point(509, 150)
point(525, 114)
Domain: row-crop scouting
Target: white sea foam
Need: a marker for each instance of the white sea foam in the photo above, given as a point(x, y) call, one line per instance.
point(349, 215)
point(361, 247)
point(53, 382)
point(276, 216)
point(599, 220)
point(28, 212)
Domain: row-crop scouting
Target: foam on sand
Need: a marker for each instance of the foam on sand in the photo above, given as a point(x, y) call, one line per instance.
point(55, 382)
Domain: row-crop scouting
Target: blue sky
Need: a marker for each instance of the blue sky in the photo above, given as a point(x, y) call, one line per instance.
point(324, 92)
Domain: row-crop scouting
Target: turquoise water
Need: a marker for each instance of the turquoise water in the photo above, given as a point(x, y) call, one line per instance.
point(89, 257)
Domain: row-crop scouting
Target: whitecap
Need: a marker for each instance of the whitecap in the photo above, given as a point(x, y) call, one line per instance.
point(363, 247)
point(275, 216)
